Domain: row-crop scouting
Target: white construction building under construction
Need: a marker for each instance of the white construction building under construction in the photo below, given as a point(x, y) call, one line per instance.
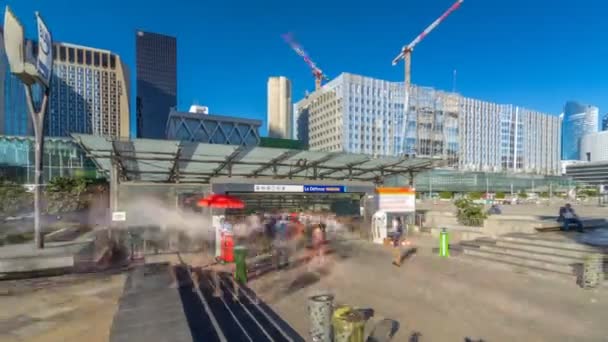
point(359, 114)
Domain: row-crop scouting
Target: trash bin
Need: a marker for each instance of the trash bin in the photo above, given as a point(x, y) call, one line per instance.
point(240, 260)
point(319, 312)
point(349, 325)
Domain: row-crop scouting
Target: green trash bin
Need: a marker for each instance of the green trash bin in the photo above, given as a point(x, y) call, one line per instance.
point(349, 325)
point(240, 260)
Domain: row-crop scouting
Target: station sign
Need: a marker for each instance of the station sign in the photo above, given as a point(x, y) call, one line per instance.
point(277, 188)
point(325, 188)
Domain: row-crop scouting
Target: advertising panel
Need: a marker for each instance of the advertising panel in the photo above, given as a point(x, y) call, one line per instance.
point(396, 200)
point(44, 63)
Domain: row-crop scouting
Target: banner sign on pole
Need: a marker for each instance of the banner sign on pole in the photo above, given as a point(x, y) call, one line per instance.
point(396, 200)
point(44, 64)
point(325, 188)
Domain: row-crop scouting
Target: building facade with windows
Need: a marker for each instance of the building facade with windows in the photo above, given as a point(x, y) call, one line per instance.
point(212, 129)
point(89, 93)
point(156, 63)
point(594, 147)
point(605, 122)
point(359, 114)
point(579, 119)
point(14, 118)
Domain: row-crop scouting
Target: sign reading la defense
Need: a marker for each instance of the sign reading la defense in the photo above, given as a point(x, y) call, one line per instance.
point(325, 188)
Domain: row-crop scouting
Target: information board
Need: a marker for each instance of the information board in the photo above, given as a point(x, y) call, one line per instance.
point(396, 200)
point(325, 188)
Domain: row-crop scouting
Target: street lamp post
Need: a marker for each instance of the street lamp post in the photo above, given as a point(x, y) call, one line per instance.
point(32, 72)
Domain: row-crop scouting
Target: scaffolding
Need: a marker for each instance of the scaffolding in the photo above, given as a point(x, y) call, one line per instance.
point(432, 124)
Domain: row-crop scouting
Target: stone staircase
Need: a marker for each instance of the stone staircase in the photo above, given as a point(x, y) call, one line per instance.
point(536, 254)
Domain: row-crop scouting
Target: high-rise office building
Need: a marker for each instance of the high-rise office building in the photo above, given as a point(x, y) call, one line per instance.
point(605, 122)
point(498, 137)
point(579, 119)
point(594, 147)
point(89, 93)
point(279, 116)
point(359, 114)
point(14, 118)
point(156, 60)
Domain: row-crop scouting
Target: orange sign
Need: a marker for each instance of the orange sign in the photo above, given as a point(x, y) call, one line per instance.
point(397, 199)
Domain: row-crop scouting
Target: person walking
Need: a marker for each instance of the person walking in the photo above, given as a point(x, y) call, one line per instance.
point(397, 234)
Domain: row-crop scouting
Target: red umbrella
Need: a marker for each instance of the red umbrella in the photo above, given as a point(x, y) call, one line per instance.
point(221, 201)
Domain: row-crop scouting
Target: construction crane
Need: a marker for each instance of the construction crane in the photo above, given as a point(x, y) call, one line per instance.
point(316, 72)
point(406, 55)
point(406, 51)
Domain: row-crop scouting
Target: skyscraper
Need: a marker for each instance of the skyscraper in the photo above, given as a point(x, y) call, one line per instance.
point(579, 119)
point(89, 93)
point(279, 116)
point(605, 122)
point(156, 59)
point(14, 118)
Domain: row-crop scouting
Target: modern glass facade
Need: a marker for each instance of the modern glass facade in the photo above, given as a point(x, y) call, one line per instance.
point(213, 129)
point(578, 120)
point(61, 158)
point(89, 93)
point(156, 60)
point(462, 181)
point(605, 122)
point(14, 119)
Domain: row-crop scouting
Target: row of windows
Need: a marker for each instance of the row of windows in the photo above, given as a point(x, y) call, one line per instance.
point(84, 56)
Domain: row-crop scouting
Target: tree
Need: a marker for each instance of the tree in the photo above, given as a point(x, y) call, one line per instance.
point(65, 194)
point(13, 198)
point(500, 195)
point(469, 213)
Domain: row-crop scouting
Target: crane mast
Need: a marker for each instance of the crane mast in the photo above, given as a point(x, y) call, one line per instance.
point(406, 55)
point(316, 71)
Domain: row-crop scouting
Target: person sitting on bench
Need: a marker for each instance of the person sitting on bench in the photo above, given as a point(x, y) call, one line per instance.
point(568, 217)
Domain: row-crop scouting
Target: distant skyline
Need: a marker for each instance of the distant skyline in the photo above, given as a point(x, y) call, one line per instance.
point(535, 54)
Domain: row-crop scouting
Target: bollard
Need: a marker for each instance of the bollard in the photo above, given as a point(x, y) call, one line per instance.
point(592, 271)
point(348, 324)
point(319, 311)
point(240, 260)
point(444, 243)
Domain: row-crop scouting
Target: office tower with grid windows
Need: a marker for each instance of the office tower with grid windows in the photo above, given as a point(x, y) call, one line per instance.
point(605, 122)
point(579, 119)
point(156, 63)
point(359, 114)
point(89, 93)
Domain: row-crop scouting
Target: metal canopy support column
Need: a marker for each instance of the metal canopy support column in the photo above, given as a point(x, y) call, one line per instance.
point(273, 163)
point(174, 173)
point(307, 165)
point(348, 166)
point(228, 162)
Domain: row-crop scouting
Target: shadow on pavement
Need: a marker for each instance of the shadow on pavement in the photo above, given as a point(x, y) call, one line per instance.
point(218, 307)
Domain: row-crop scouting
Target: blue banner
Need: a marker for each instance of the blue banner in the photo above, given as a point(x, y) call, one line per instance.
point(325, 188)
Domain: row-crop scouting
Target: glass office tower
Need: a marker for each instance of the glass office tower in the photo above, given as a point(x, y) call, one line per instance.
point(579, 119)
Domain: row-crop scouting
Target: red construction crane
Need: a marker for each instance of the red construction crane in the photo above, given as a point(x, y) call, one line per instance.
point(316, 72)
point(406, 51)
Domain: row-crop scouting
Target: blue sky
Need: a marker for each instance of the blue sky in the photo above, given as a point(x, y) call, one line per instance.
point(534, 53)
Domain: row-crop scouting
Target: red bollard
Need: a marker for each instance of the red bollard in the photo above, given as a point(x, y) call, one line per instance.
point(227, 248)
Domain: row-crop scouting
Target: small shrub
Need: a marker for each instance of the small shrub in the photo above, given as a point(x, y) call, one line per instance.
point(500, 195)
point(469, 213)
point(475, 195)
point(446, 195)
point(523, 195)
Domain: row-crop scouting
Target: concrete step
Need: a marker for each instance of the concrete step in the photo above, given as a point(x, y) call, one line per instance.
point(552, 256)
point(507, 265)
point(587, 223)
point(536, 240)
point(527, 262)
point(534, 248)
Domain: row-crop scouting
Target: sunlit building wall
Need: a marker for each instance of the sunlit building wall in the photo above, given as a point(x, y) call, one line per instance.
point(579, 119)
